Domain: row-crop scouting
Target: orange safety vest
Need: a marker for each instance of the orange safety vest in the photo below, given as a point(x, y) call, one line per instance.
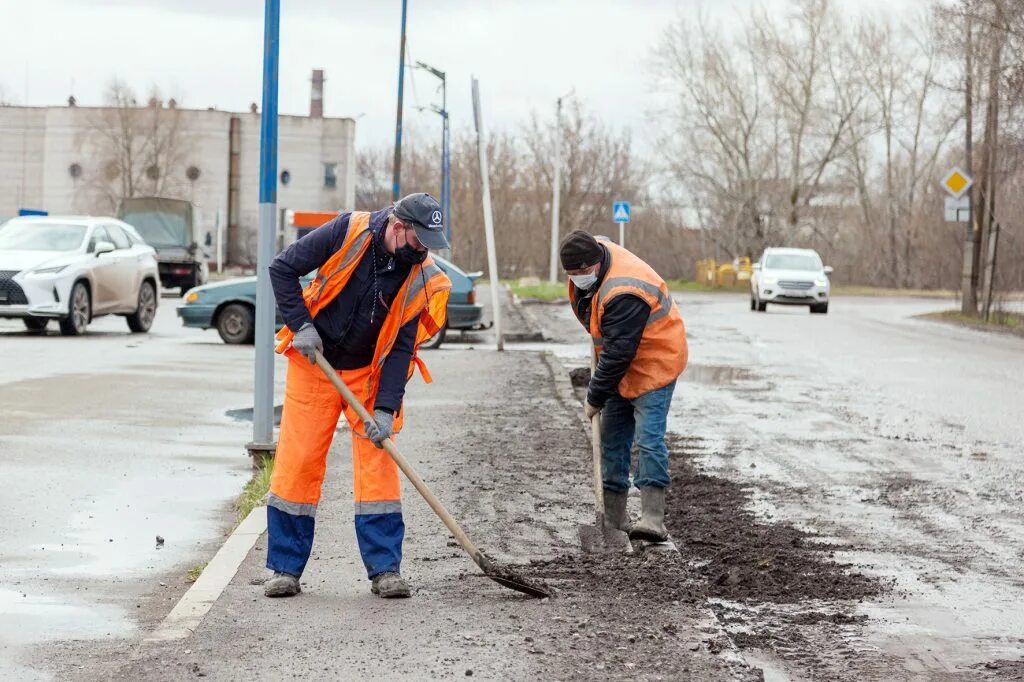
point(662, 354)
point(424, 294)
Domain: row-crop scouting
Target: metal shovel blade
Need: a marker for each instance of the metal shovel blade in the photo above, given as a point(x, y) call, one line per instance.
point(506, 576)
point(595, 540)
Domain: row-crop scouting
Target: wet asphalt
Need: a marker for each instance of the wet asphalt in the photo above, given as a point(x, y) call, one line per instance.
point(896, 439)
point(107, 441)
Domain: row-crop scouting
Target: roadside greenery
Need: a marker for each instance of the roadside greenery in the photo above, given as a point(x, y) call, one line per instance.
point(255, 490)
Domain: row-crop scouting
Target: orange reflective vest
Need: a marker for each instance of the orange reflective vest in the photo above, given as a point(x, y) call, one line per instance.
point(424, 295)
point(662, 354)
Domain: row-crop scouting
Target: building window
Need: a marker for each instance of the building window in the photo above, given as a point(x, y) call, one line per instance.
point(330, 175)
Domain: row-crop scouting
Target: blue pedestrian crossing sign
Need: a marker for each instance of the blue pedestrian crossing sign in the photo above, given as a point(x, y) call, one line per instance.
point(620, 211)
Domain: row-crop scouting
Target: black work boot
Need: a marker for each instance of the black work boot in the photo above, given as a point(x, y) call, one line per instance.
point(652, 519)
point(390, 585)
point(615, 515)
point(282, 585)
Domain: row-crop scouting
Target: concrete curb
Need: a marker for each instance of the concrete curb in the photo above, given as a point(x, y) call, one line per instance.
point(186, 615)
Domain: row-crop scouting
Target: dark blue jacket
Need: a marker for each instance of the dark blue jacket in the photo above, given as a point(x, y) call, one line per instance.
point(350, 324)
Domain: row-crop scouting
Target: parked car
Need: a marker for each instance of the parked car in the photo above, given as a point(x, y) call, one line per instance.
point(75, 269)
point(167, 226)
point(230, 306)
point(790, 277)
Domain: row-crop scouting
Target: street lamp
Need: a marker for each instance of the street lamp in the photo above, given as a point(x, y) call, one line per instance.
point(446, 159)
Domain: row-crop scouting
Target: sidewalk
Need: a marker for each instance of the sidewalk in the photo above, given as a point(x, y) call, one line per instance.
point(511, 461)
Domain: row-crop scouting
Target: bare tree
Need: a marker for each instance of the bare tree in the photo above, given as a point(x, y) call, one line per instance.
point(136, 150)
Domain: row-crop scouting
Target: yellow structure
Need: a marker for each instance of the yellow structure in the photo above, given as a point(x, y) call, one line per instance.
point(729, 275)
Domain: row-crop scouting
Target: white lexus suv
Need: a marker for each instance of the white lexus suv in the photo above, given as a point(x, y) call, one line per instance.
point(74, 269)
point(790, 277)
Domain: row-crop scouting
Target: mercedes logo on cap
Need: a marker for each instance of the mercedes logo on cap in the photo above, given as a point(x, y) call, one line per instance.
point(435, 217)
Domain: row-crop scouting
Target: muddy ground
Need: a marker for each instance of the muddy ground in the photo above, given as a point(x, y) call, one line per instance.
point(847, 488)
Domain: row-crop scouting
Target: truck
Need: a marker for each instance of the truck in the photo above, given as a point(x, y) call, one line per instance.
point(168, 226)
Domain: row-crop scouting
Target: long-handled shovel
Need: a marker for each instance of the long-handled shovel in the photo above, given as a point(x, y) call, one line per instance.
point(503, 575)
point(600, 537)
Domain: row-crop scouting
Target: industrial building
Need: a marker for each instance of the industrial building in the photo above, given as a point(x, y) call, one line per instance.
point(82, 160)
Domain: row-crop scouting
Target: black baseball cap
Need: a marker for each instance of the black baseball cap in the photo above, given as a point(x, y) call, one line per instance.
point(424, 213)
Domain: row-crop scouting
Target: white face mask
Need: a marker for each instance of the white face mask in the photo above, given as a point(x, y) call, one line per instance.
point(583, 281)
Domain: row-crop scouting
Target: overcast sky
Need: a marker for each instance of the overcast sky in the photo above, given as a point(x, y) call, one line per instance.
point(208, 53)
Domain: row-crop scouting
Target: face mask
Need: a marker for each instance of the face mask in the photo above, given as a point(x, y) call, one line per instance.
point(408, 255)
point(583, 281)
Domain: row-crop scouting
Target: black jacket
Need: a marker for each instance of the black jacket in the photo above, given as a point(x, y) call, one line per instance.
point(350, 324)
point(622, 327)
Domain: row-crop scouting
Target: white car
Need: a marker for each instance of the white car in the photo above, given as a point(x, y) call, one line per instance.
point(790, 277)
point(74, 269)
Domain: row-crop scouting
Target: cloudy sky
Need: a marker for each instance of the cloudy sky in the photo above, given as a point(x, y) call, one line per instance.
point(208, 53)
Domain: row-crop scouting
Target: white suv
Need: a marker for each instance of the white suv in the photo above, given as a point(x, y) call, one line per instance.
point(790, 277)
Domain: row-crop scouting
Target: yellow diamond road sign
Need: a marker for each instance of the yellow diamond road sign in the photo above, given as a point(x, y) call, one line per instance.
point(957, 182)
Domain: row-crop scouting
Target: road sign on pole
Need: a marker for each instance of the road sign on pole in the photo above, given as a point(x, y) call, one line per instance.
point(957, 182)
point(958, 210)
point(620, 214)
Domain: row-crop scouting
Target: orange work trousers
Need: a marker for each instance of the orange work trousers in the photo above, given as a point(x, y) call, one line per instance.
point(312, 407)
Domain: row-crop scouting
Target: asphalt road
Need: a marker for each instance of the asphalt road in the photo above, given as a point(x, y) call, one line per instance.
point(107, 441)
point(897, 439)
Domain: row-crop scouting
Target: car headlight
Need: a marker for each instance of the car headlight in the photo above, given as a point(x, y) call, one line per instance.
point(821, 281)
point(770, 279)
point(49, 271)
point(192, 297)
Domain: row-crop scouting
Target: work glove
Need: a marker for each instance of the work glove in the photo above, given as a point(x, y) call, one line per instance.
point(307, 341)
point(380, 428)
point(590, 410)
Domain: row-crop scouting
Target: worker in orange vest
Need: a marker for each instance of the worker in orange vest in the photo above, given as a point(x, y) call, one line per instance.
point(376, 297)
point(640, 341)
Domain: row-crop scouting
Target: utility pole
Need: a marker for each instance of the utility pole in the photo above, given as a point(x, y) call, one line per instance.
point(446, 174)
point(396, 183)
point(556, 190)
point(263, 405)
point(968, 300)
point(485, 186)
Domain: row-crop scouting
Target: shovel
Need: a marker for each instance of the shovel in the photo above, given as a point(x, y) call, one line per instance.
point(599, 537)
point(503, 575)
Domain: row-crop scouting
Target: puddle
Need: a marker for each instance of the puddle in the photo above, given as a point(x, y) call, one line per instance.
point(716, 375)
point(244, 414)
point(26, 617)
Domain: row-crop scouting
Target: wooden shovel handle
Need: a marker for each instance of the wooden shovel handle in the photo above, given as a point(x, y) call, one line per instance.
point(595, 440)
point(403, 464)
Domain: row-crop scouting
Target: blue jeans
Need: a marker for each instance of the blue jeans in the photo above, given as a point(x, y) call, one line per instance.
point(644, 419)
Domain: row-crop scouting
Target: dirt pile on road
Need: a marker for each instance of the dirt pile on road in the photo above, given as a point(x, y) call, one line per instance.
point(742, 558)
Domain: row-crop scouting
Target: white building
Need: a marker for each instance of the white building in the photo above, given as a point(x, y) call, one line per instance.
point(75, 160)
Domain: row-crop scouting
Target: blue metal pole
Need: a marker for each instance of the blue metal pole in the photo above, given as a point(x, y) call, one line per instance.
point(396, 183)
point(263, 408)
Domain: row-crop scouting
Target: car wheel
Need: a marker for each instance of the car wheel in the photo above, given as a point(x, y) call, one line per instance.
point(820, 309)
point(753, 303)
point(762, 306)
point(79, 312)
point(235, 324)
point(436, 340)
point(36, 325)
point(142, 319)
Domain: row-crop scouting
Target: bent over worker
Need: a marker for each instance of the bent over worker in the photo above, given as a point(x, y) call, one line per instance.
point(640, 341)
point(376, 296)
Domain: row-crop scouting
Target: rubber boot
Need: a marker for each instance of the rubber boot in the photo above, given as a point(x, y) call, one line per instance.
point(390, 585)
point(282, 585)
point(615, 515)
point(652, 519)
